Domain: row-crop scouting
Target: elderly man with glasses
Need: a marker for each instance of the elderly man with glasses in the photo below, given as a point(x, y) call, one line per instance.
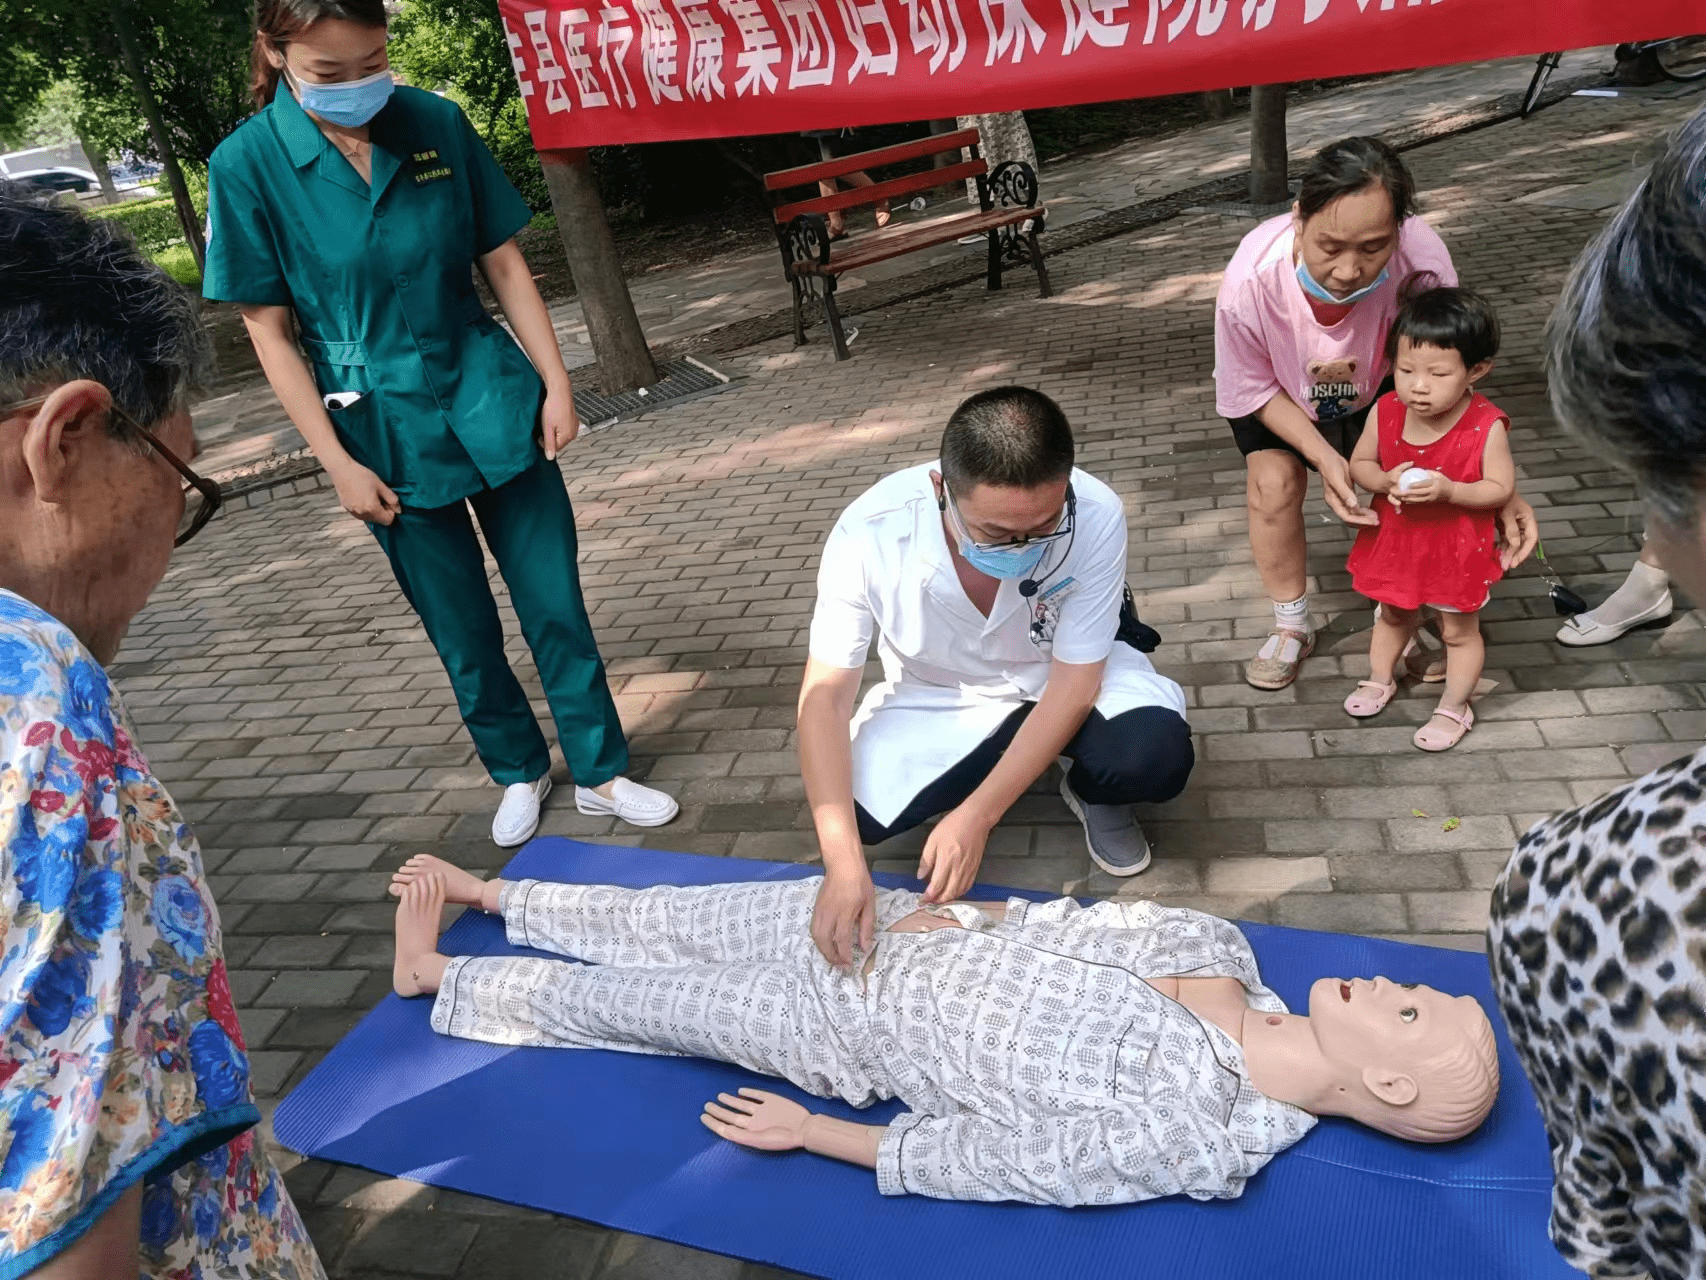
point(125, 1103)
point(994, 582)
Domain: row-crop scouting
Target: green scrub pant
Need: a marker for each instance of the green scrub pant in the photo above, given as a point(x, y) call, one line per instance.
point(530, 527)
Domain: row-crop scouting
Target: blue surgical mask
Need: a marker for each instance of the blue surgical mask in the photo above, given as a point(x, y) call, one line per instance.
point(350, 103)
point(1004, 562)
point(1318, 291)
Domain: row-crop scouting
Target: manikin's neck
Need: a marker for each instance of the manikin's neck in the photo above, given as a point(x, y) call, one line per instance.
point(1287, 1065)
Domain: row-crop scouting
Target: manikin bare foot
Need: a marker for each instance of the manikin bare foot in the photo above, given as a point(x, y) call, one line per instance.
point(462, 888)
point(419, 968)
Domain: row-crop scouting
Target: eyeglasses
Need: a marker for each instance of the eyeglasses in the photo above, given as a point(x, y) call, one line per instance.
point(201, 495)
point(1063, 531)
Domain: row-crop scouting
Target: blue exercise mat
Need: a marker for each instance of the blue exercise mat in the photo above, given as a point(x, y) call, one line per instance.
point(615, 1139)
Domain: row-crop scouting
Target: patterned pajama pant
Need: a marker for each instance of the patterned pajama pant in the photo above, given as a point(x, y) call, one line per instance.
point(719, 971)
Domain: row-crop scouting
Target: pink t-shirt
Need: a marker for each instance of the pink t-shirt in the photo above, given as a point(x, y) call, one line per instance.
point(1267, 339)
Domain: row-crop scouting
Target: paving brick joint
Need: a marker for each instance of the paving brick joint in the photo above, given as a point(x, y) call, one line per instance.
point(286, 695)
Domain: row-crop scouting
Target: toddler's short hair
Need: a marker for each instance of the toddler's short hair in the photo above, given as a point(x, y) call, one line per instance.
point(1457, 320)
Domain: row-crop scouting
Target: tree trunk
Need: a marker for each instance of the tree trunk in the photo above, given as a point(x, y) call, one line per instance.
point(1215, 104)
point(157, 131)
point(98, 166)
point(624, 360)
point(1267, 145)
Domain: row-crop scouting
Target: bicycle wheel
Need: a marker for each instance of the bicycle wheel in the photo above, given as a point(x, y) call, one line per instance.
point(1683, 58)
point(1543, 69)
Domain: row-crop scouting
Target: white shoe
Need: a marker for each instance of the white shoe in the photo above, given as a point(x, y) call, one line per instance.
point(636, 805)
point(1585, 629)
point(518, 815)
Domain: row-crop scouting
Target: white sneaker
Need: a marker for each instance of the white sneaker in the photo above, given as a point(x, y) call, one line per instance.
point(636, 805)
point(518, 815)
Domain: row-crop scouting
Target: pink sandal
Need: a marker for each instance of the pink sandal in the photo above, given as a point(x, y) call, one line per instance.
point(1430, 739)
point(1362, 707)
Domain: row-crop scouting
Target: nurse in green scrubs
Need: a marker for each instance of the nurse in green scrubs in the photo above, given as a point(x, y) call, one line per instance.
point(361, 206)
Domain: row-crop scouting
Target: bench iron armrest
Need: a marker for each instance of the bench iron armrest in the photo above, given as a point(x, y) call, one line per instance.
point(805, 239)
point(1013, 184)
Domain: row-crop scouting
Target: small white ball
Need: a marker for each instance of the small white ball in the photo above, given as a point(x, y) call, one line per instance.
point(1414, 478)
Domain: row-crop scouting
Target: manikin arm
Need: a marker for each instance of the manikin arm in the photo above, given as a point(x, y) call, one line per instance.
point(1110, 1157)
point(767, 1121)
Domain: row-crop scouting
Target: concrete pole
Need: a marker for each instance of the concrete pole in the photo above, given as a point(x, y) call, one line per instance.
point(624, 360)
point(1267, 144)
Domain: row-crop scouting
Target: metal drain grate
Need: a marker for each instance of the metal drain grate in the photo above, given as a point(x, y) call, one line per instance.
point(682, 379)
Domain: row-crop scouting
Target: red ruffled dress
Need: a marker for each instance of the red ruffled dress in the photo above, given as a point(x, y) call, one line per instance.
point(1432, 554)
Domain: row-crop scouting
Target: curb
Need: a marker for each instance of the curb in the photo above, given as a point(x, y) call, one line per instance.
point(288, 475)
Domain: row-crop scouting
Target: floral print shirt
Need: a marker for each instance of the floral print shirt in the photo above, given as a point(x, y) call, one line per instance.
point(122, 1059)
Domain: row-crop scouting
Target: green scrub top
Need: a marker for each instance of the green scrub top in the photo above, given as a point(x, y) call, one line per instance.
point(380, 279)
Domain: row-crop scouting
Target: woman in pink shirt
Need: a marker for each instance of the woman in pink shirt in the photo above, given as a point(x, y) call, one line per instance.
point(1299, 357)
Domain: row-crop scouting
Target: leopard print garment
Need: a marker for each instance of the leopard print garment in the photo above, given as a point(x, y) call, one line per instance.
point(1598, 949)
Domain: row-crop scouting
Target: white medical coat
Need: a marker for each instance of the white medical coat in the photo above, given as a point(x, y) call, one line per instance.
point(950, 675)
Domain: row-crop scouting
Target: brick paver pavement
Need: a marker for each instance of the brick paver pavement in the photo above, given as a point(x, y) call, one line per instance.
point(286, 694)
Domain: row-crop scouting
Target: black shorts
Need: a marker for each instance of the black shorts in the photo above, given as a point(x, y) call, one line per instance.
point(1342, 433)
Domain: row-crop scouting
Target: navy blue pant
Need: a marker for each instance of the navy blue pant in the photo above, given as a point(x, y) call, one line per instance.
point(1141, 756)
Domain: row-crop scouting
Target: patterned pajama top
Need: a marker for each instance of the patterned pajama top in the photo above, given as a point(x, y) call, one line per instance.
point(121, 1060)
point(1038, 1064)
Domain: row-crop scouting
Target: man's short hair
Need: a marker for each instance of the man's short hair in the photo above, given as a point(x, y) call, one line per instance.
point(1009, 437)
point(78, 299)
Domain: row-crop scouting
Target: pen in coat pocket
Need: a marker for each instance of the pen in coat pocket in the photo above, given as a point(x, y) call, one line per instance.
point(341, 399)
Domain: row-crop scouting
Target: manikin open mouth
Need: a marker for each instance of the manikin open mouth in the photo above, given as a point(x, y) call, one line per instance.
point(1345, 991)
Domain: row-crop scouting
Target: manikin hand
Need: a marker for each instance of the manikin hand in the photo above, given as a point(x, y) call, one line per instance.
point(952, 854)
point(1519, 532)
point(845, 915)
point(1340, 493)
point(759, 1119)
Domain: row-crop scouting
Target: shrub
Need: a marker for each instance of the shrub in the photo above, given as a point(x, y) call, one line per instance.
point(153, 224)
point(178, 262)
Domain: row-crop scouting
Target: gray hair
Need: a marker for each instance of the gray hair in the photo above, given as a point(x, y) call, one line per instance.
point(78, 299)
point(1627, 342)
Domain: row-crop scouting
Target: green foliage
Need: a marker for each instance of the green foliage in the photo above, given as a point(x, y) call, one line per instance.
point(153, 224)
point(178, 262)
point(22, 79)
point(458, 46)
point(194, 54)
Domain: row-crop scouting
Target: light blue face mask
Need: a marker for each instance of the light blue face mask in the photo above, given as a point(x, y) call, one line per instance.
point(351, 103)
point(1315, 290)
point(1003, 562)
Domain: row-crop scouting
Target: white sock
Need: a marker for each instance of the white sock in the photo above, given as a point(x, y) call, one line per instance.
point(1641, 590)
point(1293, 616)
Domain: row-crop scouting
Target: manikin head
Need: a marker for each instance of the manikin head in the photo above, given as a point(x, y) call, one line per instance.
point(1405, 1059)
point(1006, 462)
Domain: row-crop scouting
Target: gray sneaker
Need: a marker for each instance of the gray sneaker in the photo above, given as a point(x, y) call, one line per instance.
point(1117, 844)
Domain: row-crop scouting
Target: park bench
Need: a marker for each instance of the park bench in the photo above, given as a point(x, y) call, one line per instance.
point(1008, 215)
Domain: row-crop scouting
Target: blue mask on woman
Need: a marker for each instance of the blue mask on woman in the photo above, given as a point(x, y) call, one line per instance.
point(1003, 562)
point(351, 103)
point(1321, 293)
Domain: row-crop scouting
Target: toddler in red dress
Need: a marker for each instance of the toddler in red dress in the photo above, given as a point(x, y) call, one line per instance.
point(1436, 456)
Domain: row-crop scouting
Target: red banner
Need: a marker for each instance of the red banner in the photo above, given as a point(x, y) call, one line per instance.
point(595, 72)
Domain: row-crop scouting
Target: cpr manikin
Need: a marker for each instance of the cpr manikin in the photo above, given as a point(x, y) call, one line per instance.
point(1049, 1052)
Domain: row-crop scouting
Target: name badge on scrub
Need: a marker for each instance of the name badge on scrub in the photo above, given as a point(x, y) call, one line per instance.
point(1045, 611)
point(428, 168)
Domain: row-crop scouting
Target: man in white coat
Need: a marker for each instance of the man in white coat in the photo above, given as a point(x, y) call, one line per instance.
point(992, 580)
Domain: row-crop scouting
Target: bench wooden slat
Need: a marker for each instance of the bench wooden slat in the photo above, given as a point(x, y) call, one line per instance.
point(889, 189)
point(783, 179)
point(891, 244)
